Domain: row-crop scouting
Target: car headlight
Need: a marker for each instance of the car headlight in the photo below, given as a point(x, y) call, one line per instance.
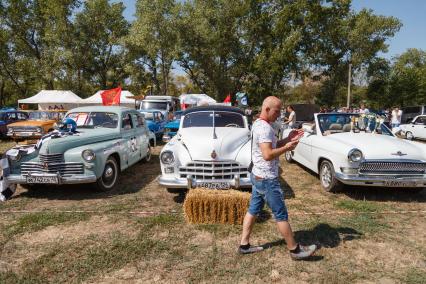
point(88, 155)
point(355, 155)
point(39, 130)
point(9, 130)
point(167, 157)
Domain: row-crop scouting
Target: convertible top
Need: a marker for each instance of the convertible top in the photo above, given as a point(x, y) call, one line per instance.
point(214, 108)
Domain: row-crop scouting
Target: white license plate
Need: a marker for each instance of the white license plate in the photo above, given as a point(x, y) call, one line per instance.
point(214, 185)
point(397, 183)
point(23, 134)
point(46, 180)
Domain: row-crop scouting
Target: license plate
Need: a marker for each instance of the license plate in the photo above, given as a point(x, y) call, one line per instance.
point(23, 134)
point(214, 185)
point(46, 180)
point(396, 183)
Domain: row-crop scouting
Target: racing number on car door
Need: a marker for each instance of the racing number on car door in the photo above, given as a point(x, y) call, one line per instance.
point(141, 134)
point(130, 139)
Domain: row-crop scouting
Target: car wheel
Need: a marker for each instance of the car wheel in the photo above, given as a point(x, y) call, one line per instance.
point(148, 156)
point(289, 156)
point(409, 135)
point(109, 177)
point(328, 177)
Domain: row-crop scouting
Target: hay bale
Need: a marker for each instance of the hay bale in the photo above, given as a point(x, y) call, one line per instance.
point(206, 206)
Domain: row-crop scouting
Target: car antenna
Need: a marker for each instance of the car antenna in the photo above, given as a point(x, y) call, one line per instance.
point(214, 126)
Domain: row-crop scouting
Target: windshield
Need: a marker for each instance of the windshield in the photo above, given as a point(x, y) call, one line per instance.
point(148, 115)
point(205, 119)
point(94, 119)
point(339, 123)
point(46, 115)
point(154, 105)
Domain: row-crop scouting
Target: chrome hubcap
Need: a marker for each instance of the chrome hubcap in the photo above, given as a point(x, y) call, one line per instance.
point(109, 172)
point(326, 176)
point(409, 135)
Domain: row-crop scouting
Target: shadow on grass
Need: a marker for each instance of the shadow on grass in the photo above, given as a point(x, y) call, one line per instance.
point(323, 235)
point(132, 180)
point(385, 194)
point(287, 189)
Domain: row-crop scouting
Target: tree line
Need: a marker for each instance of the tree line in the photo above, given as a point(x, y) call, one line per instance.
point(295, 49)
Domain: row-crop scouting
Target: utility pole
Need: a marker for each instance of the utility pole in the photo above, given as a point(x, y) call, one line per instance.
point(349, 86)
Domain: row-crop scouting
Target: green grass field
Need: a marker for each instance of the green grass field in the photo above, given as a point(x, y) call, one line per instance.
point(137, 233)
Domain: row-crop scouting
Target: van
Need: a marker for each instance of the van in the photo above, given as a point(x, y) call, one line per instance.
point(165, 104)
point(409, 113)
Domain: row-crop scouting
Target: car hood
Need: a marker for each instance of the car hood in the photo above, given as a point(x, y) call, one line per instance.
point(200, 142)
point(375, 146)
point(32, 123)
point(83, 137)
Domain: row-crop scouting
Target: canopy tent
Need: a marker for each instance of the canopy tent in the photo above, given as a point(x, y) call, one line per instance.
point(126, 99)
point(195, 99)
point(53, 99)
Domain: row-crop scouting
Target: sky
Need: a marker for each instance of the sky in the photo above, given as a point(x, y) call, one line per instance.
point(412, 14)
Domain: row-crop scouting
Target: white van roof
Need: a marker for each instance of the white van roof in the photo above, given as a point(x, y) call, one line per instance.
point(160, 98)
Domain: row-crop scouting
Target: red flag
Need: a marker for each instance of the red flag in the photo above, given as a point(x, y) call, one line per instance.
point(111, 97)
point(227, 99)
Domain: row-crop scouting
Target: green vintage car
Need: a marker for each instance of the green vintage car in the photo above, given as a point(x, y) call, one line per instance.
point(107, 140)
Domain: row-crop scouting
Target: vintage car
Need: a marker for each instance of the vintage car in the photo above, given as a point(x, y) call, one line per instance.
point(9, 116)
point(211, 149)
point(416, 129)
point(155, 121)
point(38, 124)
point(172, 127)
point(354, 150)
point(107, 140)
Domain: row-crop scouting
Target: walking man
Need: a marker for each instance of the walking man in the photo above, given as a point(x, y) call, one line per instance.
point(264, 177)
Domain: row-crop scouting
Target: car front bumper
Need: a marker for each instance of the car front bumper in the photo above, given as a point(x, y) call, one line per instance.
point(382, 180)
point(23, 135)
point(189, 182)
point(73, 179)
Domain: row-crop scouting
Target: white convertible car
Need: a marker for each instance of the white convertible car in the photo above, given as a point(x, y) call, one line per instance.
point(348, 149)
point(211, 149)
point(415, 129)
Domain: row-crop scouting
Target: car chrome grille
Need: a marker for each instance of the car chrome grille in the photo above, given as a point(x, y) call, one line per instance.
point(51, 158)
point(388, 167)
point(24, 129)
point(205, 170)
point(64, 169)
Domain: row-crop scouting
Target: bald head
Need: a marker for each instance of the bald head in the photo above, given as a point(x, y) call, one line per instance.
point(271, 108)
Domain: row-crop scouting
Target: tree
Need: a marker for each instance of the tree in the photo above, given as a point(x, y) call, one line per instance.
point(152, 40)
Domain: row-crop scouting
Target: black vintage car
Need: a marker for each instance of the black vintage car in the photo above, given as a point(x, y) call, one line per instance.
point(8, 117)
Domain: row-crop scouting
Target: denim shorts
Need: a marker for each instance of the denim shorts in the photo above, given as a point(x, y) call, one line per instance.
point(269, 191)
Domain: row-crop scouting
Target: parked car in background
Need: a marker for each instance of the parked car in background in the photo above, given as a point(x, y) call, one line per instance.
point(212, 149)
point(166, 104)
point(8, 116)
point(409, 113)
point(172, 127)
point(416, 129)
point(155, 121)
point(106, 141)
point(345, 149)
point(38, 124)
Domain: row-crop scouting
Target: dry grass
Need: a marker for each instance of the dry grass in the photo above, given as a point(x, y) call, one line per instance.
point(113, 243)
point(204, 206)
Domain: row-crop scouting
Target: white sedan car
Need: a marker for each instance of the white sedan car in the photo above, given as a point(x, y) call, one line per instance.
point(348, 149)
point(416, 129)
point(211, 149)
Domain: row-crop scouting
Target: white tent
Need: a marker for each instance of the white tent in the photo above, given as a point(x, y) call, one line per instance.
point(52, 98)
point(196, 99)
point(96, 99)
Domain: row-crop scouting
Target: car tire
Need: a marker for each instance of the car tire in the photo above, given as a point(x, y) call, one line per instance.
point(328, 177)
point(109, 177)
point(148, 156)
point(409, 135)
point(289, 156)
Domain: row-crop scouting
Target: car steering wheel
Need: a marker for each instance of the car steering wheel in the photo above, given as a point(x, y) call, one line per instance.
point(232, 125)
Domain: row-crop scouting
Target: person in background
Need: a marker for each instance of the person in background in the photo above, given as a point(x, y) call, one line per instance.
point(291, 120)
point(363, 109)
point(396, 117)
